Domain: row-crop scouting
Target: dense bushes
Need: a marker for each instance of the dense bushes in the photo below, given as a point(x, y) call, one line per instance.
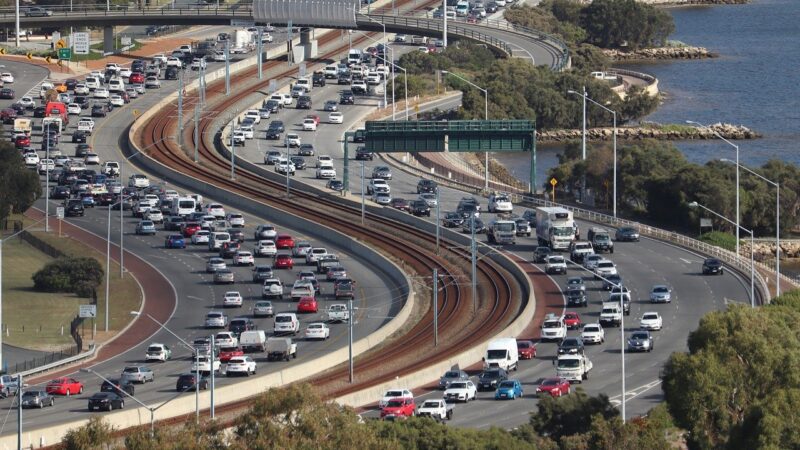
point(75, 275)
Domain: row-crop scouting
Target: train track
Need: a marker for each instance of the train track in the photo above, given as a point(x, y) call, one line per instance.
point(460, 327)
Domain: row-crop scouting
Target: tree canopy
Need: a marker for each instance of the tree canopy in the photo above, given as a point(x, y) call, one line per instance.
point(19, 185)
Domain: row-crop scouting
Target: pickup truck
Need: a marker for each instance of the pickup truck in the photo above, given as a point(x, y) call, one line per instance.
point(573, 367)
point(437, 409)
point(281, 349)
point(399, 407)
point(338, 313)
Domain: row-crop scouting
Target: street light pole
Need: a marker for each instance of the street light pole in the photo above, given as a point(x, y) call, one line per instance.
point(752, 253)
point(738, 217)
point(474, 263)
point(363, 204)
point(777, 223)
point(486, 117)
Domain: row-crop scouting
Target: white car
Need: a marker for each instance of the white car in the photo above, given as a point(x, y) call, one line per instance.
point(590, 262)
point(335, 117)
point(314, 254)
point(91, 159)
point(238, 138)
point(157, 352)
point(204, 364)
point(266, 231)
point(6, 77)
point(81, 89)
point(243, 258)
point(232, 298)
point(74, 109)
point(394, 393)
point(216, 210)
point(324, 160)
point(31, 159)
point(198, 63)
point(125, 72)
point(101, 93)
point(253, 114)
point(282, 166)
point(116, 100)
point(174, 62)
point(45, 165)
point(152, 82)
point(272, 288)
point(593, 333)
point(500, 203)
point(293, 140)
point(247, 131)
point(605, 268)
point(160, 59)
point(235, 219)
point(27, 102)
point(218, 56)
point(382, 198)
point(154, 215)
point(241, 365)
point(378, 185)
point(201, 237)
point(318, 330)
point(326, 172)
point(265, 247)
point(215, 319)
point(170, 194)
point(226, 339)
point(301, 248)
point(555, 264)
point(553, 328)
point(651, 321)
point(660, 294)
point(429, 199)
point(461, 391)
point(309, 125)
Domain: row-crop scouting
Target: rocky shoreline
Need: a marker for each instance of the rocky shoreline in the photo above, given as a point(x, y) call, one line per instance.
point(694, 2)
point(654, 131)
point(660, 53)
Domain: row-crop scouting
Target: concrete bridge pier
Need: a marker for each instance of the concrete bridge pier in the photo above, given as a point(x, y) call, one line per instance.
point(108, 39)
point(308, 43)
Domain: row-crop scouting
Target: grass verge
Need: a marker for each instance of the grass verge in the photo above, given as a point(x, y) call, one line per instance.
point(719, 239)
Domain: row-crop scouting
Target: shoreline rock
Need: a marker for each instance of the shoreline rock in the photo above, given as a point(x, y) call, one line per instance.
point(694, 2)
point(660, 53)
point(651, 131)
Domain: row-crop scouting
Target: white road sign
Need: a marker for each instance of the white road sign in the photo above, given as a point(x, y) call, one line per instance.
point(60, 212)
point(87, 311)
point(81, 43)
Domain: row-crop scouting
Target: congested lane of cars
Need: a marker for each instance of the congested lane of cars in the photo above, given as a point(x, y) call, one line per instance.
point(186, 268)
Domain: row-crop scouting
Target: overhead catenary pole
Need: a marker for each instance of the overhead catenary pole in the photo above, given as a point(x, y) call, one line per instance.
point(583, 144)
point(227, 67)
point(1, 305)
point(212, 358)
point(444, 26)
point(260, 45)
point(363, 204)
point(350, 319)
point(435, 306)
point(46, 132)
point(108, 260)
point(196, 133)
point(16, 22)
point(19, 398)
point(438, 220)
point(180, 110)
point(622, 349)
point(474, 261)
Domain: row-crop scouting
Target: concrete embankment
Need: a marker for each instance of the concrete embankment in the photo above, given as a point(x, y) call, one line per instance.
point(652, 131)
point(660, 53)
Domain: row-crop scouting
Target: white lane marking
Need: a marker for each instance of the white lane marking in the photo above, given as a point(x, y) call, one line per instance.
point(633, 393)
point(686, 260)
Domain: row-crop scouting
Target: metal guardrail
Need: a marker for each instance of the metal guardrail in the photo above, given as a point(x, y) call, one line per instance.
point(58, 363)
point(199, 10)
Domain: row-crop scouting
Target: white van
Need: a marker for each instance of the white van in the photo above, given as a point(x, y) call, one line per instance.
point(305, 83)
point(217, 239)
point(116, 85)
point(331, 71)
point(502, 353)
point(253, 340)
point(286, 323)
point(354, 56)
point(183, 206)
point(92, 83)
point(462, 8)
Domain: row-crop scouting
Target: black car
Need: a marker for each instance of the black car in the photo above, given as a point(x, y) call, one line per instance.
point(490, 378)
point(712, 266)
point(362, 154)
point(347, 98)
point(78, 137)
point(19, 109)
point(6, 94)
point(236, 234)
point(49, 144)
point(39, 112)
point(420, 208)
point(81, 100)
point(628, 234)
point(106, 401)
point(240, 324)
point(261, 273)
point(82, 149)
point(427, 186)
point(273, 106)
point(74, 208)
point(318, 79)
point(541, 253)
point(571, 345)
point(174, 223)
point(576, 297)
point(452, 220)
point(99, 110)
point(335, 185)
point(530, 216)
point(478, 224)
point(344, 79)
point(299, 162)
point(171, 73)
point(304, 102)
point(278, 125)
point(611, 281)
point(272, 133)
point(117, 386)
point(60, 193)
point(306, 150)
point(186, 382)
point(70, 83)
point(491, 7)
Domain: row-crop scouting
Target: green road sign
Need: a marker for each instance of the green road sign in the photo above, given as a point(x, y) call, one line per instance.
point(64, 53)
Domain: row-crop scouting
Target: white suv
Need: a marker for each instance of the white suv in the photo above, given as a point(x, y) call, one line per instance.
point(286, 323)
point(554, 328)
point(605, 268)
point(500, 203)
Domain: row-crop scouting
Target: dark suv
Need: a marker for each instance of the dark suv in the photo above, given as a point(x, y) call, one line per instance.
point(420, 208)
point(347, 98)
point(186, 382)
point(318, 79)
point(240, 324)
point(362, 154)
point(74, 208)
point(426, 186)
point(304, 102)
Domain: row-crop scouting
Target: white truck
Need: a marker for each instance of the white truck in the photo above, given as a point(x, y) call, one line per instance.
point(573, 367)
point(502, 232)
point(500, 203)
point(86, 126)
point(253, 340)
point(610, 315)
point(555, 227)
point(437, 409)
point(502, 353)
point(580, 250)
point(281, 348)
point(338, 313)
point(242, 39)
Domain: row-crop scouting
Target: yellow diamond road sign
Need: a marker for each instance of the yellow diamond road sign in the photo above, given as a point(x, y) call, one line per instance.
point(553, 181)
point(61, 43)
point(29, 55)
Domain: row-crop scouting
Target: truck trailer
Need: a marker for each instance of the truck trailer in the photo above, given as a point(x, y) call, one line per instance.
point(555, 227)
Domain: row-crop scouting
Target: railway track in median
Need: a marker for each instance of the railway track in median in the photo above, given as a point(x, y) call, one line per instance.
point(461, 324)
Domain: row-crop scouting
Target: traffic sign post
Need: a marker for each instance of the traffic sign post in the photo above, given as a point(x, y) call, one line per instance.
point(81, 43)
point(60, 217)
point(87, 311)
point(65, 53)
point(553, 182)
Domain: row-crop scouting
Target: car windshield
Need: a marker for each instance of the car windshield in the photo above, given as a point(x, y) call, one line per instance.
point(563, 231)
point(660, 289)
point(458, 385)
point(491, 374)
point(431, 404)
point(394, 403)
point(605, 264)
point(570, 342)
point(639, 336)
point(650, 317)
point(283, 319)
point(506, 384)
point(524, 345)
point(394, 394)
point(131, 370)
point(550, 382)
point(568, 363)
point(451, 375)
point(154, 349)
point(552, 324)
point(590, 329)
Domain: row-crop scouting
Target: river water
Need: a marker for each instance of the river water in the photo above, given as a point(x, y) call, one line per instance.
point(755, 82)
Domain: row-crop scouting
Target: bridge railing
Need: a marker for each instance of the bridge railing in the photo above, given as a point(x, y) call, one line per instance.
point(94, 10)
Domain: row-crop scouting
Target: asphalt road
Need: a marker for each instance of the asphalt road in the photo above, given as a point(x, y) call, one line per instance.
point(642, 265)
point(377, 297)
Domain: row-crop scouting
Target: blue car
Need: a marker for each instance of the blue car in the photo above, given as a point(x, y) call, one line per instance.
point(508, 389)
point(88, 201)
point(175, 241)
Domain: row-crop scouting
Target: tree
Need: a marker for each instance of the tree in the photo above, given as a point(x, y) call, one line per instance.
point(570, 415)
point(78, 275)
point(20, 186)
point(96, 434)
point(625, 24)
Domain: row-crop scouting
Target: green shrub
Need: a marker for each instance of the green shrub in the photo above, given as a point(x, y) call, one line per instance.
point(80, 276)
point(720, 239)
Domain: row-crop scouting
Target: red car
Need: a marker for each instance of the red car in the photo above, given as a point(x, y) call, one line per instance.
point(284, 262)
point(526, 349)
point(190, 228)
point(556, 387)
point(22, 142)
point(226, 353)
point(307, 305)
point(8, 115)
point(64, 386)
point(399, 407)
point(572, 320)
point(136, 78)
point(284, 241)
